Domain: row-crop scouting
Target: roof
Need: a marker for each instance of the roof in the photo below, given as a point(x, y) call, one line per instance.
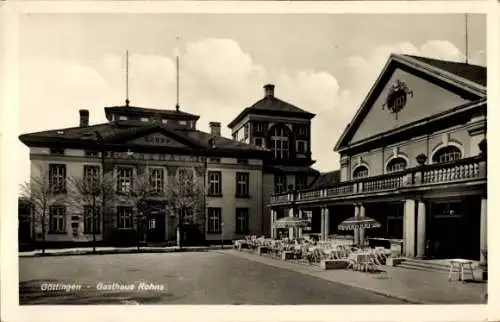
point(291, 169)
point(326, 179)
point(473, 73)
point(143, 111)
point(468, 78)
point(118, 133)
point(271, 105)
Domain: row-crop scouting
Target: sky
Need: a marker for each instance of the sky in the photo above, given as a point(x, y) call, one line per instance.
point(323, 63)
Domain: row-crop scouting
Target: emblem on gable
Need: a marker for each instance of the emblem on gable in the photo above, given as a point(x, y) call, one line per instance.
point(397, 96)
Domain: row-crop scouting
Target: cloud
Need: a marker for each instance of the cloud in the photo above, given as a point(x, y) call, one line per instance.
point(218, 80)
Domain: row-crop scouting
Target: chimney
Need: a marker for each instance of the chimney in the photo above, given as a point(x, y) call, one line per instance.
point(269, 90)
point(84, 118)
point(214, 128)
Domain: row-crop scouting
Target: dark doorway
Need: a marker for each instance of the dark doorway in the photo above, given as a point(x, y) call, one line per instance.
point(156, 227)
point(453, 229)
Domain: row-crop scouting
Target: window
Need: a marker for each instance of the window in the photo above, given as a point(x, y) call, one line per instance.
point(182, 122)
point(242, 184)
point(259, 127)
point(122, 118)
point(144, 119)
point(91, 154)
point(302, 131)
point(214, 220)
point(279, 183)
point(301, 147)
point(185, 177)
point(235, 136)
point(395, 221)
point(164, 121)
point(242, 161)
point(57, 151)
point(447, 154)
point(214, 183)
point(87, 220)
point(360, 172)
point(280, 142)
point(259, 142)
point(91, 176)
point(245, 131)
point(125, 217)
point(300, 182)
point(396, 164)
point(186, 214)
point(57, 220)
point(124, 179)
point(156, 178)
point(242, 221)
point(57, 178)
point(214, 160)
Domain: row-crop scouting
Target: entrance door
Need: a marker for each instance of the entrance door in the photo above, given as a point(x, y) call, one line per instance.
point(156, 227)
point(450, 230)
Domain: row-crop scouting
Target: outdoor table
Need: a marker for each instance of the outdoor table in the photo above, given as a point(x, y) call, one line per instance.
point(460, 264)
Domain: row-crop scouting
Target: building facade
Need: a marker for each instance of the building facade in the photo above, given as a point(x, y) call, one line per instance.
point(285, 130)
point(414, 159)
point(162, 146)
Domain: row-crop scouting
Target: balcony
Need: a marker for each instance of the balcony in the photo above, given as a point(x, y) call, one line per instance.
point(426, 176)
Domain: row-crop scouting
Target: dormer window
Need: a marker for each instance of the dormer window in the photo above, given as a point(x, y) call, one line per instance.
point(164, 121)
point(122, 118)
point(57, 151)
point(144, 119)
point(182, 122)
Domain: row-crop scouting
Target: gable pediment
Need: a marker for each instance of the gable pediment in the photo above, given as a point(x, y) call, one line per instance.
point(427, 93)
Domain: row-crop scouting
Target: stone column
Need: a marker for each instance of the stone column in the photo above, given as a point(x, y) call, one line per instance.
point(327, 222)
point(421, 236)
point(301, 215)
point(409, 231)
point(273, 219)
point(322, 223)
point(356, 231)
point(291, 230)
point(483, 241)
point(361, 231)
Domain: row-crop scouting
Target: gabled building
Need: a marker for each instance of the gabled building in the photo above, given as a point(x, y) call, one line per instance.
point(413, 158)
point(163, 145)
point(285, 130)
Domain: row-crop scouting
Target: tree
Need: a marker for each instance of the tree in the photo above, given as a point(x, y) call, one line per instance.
point(42, 193)
point(141, 194)
point(186, 196)
point(89, 191)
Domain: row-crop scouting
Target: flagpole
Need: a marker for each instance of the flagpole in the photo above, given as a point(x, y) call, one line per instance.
point(466, 38)
point(127, 101)
point(177, 106)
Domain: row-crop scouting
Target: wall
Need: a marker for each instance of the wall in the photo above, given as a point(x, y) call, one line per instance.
point(376, 160)
point(428, 99)
point(228, 202)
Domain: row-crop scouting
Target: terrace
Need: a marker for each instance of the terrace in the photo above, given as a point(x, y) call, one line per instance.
point(467, 172)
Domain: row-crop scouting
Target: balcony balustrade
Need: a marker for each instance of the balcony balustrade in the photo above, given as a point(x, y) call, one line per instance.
point(425, 175)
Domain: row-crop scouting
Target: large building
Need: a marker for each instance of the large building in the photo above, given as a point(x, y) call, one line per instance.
point(270, 150)
point(413, 158)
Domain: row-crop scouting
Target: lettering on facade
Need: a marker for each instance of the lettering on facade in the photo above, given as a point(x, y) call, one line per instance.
point(156, 157)
point(155, 139)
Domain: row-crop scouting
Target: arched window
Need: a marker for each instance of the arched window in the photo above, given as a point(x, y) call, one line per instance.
point(396, 164)
point(360, 172)
point(280, 142)
point(447, 154)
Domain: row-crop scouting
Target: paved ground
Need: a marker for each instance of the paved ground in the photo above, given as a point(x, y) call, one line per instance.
point(186, 278)
point(414, 286)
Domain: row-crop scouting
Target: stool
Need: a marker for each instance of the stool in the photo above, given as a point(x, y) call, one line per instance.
point(460, 263)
